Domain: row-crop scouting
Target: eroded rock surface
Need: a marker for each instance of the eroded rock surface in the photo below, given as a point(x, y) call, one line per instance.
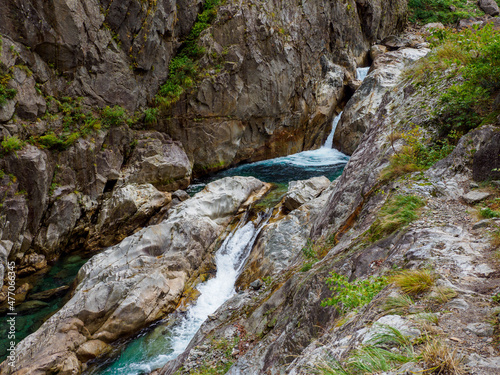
point(135, 282)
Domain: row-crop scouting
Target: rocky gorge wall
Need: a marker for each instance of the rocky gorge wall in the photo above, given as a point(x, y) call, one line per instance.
point(73, 178)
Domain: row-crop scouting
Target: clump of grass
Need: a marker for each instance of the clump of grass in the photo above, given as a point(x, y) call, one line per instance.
point(151, 116)
point(442, 295)
point(495, 238)
point(398, 211)
point(428, 317)
point(399, 304)
point(441, 359)
point(348, 296)
point(413, 282)
point(12, 144)
point(376, 356)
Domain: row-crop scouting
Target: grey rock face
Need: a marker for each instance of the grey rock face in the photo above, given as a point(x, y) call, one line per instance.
point(489, 7)
point(276, 92)
point(158, 160)
point(111, 52)
point(135, 282)
point(486, 162)
point(383, 75)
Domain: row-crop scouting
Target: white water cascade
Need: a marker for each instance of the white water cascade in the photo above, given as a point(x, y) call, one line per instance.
point(155, 349)
point(361, 73)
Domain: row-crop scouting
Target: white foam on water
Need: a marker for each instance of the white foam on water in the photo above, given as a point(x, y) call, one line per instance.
point(229, 259)
point(361, 73)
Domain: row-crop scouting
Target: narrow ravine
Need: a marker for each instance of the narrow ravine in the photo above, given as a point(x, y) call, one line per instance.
point(157, 345)
point(167, 340)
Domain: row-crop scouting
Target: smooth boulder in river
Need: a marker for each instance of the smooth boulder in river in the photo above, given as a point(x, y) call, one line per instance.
point(135, 282)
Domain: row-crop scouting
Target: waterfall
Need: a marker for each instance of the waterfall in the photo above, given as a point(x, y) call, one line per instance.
point(329, 140)
point(361, 73)
point(145, 354)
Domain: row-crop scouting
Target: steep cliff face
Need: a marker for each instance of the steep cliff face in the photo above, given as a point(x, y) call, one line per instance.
point(109, 52)
point(273, 75)
point(284, 326)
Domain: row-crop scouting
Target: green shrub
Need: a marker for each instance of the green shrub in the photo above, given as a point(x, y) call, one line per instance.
point(398, 211)
point(348, 296)
point(425, 11)
point(113, 116)
point(151, 116)
point(6, 94)
point(183, 70)
point(488, 213)
point(51, 141)
point(10, 144)
point(472, 58)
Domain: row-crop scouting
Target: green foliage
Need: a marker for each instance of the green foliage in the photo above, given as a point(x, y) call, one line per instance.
point(10, 144)
point(183, 70)
point(488, 213)
point(5, 93)
point(309, 251)
point(425, 11)
point(348, 296)
point(151, 116)
point(417, 154)
point(114, 116)
point(398, 211)
point(472, 58)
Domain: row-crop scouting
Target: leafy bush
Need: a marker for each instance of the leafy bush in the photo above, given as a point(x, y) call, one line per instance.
point(488, 213)
point(425, 11)
point(351, 295)
point(151, 116)
point(6, 94)
point(113, 116)
point(472, 58)
point(10, 144)
point(51, 141)
point(397, 212)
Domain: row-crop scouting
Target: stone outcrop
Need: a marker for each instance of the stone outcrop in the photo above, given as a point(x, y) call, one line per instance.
point(489, 7)
point(107, 52)
point(266, 90)
point(135, 282)
point(90, 196)
point(284, 328)
point(383, 75)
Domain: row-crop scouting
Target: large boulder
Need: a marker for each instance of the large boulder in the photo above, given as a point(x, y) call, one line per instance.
point(158, 160)
point(486, 162)
point(489, 7)
point(135, 282)
point(300, 192)
point(384, 74)
point(129, 208)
